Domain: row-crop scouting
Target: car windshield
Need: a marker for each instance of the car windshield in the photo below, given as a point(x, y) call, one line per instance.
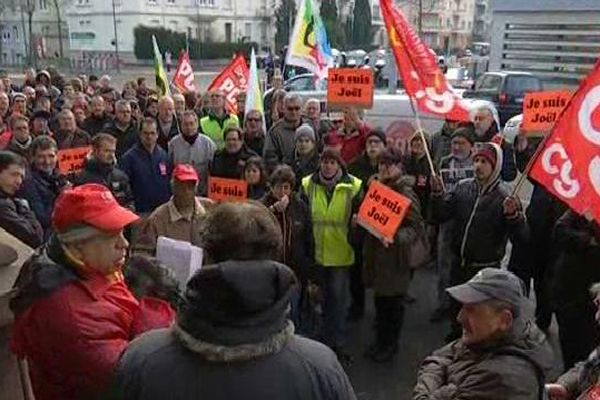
point(489, 82)
point(522, 84)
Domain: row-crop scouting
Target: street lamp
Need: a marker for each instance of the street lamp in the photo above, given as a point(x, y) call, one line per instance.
point(116, 36)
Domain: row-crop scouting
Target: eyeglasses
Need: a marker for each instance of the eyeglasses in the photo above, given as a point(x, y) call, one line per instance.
point(293, 108)
point(253, 119)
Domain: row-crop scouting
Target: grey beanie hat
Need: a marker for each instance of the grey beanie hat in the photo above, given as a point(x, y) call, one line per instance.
point(306, 131)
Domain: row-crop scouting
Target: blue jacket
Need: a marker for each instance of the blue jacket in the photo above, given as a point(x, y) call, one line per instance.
point(41, 189)
point(149, 176)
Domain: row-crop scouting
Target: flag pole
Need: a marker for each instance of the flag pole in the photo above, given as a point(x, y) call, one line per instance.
point(422, 135)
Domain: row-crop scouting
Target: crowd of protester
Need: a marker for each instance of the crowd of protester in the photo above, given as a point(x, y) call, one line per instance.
point(289, 264)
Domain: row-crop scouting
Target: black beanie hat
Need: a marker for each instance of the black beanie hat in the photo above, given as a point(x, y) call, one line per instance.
point(379, 133)
point(466, 133)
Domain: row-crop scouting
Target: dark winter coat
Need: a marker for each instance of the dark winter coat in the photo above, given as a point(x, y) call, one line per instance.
point(576, 268)
point(228, 165)
point(109, 176)
point(256, 144)
point(125, 139)
point(93, 125)
point(165, 136)
point(440, 144)
point(19, 220)
point(387, 270)
point(362, 169)
point(296, 227)
point(232, 342)
point(480, 229)
point(304, 166)
point(419, 169)
point(510, 369)
point(149, 176)
point(41, 189)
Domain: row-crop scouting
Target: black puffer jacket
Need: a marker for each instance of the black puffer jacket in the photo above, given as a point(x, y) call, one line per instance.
point(17, 219)
point(298, 241)
point(481, 229)
point(125, 138)
point(109, 176)
point(232, 341)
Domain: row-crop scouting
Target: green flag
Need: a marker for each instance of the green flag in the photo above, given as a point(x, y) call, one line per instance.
point(162, 82)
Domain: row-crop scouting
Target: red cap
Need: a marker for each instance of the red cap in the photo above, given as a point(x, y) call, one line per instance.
point(90, 204)
point(185, 173)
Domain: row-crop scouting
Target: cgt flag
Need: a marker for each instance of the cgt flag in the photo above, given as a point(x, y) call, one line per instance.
point(568, 165)
point(231, 81)
point(162, 82)
point(421, 74)
point(184, 75)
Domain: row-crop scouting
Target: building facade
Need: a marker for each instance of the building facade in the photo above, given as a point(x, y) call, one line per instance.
point(482, 21)
point(91, 22)
point(45, 34)
point(558, 40)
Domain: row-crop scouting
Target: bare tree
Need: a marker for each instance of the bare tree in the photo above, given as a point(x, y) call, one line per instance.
point(59, 5)
point(28, 6)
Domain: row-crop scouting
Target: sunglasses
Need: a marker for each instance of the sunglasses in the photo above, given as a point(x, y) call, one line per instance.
point(253, 119)
point(293, 108)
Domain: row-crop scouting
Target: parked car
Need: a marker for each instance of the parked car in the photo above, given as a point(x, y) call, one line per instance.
point(387, 108)
point(506, 90)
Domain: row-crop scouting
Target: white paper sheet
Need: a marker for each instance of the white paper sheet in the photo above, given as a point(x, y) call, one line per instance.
point(182, 257)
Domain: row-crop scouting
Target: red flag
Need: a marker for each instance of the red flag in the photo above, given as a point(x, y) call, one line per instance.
point(232, 80)
point(184, 75)
point(422, 77)
point(569, 163)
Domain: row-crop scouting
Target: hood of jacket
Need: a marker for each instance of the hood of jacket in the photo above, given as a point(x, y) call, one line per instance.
point(236, 310)
point(48, 269)
point(526, 341)
point(494, 179)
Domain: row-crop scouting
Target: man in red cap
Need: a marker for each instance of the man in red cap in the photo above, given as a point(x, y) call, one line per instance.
point(74, 312)
point(178, 218)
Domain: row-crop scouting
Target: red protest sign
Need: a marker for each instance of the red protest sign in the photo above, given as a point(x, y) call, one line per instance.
point(350, 87)
point(542, 109)
point(72, 160)
point(231, 81)
point(184, 75)
point(222, 189)
point(382, 211)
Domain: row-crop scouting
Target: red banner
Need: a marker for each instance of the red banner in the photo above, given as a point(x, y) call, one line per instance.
point(184, 78)
point(422, 77)
point(569, 163)
point(232, 80)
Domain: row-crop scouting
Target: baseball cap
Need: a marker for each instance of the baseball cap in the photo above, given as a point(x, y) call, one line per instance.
point(185, 173)
point(490, 284)
point(90, 204)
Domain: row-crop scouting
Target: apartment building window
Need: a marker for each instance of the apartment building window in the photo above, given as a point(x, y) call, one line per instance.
point(15, 32)
point(205, 2)
point(248, 30)
point(170, 1)
point(151, 1)
point(43, 4)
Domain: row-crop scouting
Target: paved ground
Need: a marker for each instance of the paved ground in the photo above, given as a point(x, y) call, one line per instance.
point(395, 380)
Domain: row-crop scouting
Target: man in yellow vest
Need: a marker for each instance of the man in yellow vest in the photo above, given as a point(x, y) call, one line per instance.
point(218, 119)
point(333, 197)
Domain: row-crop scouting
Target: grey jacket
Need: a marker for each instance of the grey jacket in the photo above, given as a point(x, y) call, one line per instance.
point(280, 144)
point(513, 369)
point(199, 155)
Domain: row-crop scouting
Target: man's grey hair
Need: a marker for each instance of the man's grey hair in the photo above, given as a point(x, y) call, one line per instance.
point(292, 97)
point(313, 100)
point(120, 104)
point(595, 289)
